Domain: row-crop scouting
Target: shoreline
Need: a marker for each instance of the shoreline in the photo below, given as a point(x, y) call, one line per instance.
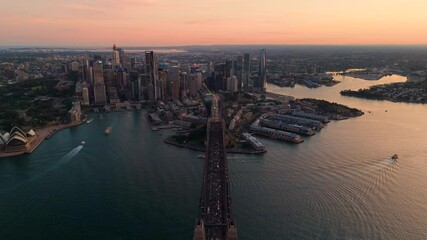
point(42, 134)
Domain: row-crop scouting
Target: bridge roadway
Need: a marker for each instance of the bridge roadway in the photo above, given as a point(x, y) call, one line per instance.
point(215, 217)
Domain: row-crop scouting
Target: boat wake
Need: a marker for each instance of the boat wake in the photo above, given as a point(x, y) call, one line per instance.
point(367, 170)
point(64, 160)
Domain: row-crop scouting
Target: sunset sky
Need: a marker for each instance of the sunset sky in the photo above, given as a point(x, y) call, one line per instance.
point(194, 22)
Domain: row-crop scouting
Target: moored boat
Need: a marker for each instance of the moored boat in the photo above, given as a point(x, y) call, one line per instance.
point(107, 131)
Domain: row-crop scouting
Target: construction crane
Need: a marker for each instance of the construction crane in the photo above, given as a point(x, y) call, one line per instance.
point(208, 89)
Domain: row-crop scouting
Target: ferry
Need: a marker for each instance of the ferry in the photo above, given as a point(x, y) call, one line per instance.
point(107, 131)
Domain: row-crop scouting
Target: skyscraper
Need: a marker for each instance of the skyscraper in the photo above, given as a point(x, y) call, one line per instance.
point(246, 71)
point(262, 72)
point(85, 96)
point(152, 71)
point(99, 85)
point(135, 82)
point(232, 84)
point(174, 82)
point(116, 57)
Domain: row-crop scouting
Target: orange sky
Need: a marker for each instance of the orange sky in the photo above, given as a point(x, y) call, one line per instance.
point(191, 22)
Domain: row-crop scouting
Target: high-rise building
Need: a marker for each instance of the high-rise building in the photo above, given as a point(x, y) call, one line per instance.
point(164, 85)
point(262, 71)
point(232, 84)
point(99, 85)
point(195, 83)
point(152, 71)
point(85, 93)
point(238, 72)
point(246, 71)
point(145, 81)
point(98, 72)
point(184, 83)
point(110, 85)
point(75, 66)
point(135, 82)
point(174, 81)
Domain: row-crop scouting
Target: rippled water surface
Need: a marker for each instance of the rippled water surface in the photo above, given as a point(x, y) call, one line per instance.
point(338, 184)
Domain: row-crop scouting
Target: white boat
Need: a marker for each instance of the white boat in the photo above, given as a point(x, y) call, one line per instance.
point(89, 121)
point(201, 156)
point(108, 130)
point(83, 143)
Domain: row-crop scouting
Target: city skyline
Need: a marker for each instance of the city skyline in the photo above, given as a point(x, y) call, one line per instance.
point(165, 23)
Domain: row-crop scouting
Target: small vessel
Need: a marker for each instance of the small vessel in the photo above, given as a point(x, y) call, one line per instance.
point(83, 143)
point(89, 121)
point(394, 157)
point(108, 130)
point(201, 156)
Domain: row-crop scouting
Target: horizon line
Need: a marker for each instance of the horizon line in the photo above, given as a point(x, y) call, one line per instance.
point(53, 46)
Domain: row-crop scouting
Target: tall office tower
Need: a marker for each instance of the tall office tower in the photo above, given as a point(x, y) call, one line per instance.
point(229, 68)
point(238, 72)
point(150, 91)
point(246, 71)
point(85, 96)
point(195, 83)
point(262, 72)
point(184, 84)
point(122, 57)
point(110, 85)
point(174, 82)
point(209, 69)
point(98, 72)
point(115, 57)
point(145, 81)
point(152, 71)
point(99, 85)
point(134, 64)
point(164, 85)
point(86, 70)
point(135, 85)
point(219, 78)
point(232, 84)
point(75, 66)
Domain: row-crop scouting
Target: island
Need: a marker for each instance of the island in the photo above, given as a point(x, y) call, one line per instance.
point(409, 92)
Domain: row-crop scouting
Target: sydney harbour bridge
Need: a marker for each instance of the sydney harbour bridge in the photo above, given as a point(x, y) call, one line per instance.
point(215, 221)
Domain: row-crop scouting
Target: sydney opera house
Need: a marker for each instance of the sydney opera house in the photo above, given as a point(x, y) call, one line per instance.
point(16, 140)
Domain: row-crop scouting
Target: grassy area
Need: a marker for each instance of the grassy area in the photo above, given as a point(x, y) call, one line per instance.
point(31, 103)
point(330, 108)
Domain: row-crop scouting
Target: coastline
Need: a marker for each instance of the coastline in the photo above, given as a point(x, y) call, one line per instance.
point(41, 134)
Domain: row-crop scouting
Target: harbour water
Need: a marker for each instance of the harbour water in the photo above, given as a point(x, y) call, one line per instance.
point(338, 184)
